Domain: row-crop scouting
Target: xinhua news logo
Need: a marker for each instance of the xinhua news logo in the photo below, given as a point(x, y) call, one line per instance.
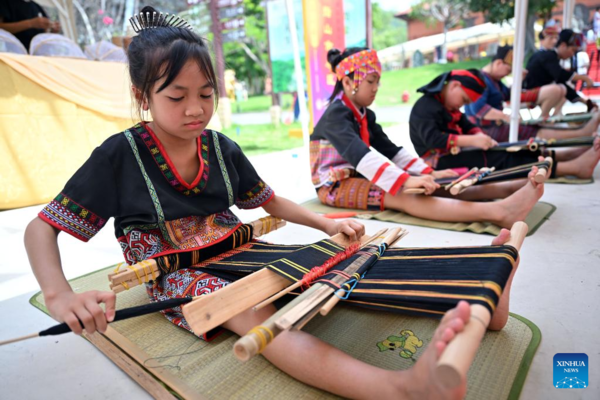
point(571, 371)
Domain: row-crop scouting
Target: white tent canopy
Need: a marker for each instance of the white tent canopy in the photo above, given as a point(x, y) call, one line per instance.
point(455, 39)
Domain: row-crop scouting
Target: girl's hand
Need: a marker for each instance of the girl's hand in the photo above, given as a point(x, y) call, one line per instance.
point(444, 173)
point(426, 182)
point(350, 228)
point(483, 141)
point(83, 308)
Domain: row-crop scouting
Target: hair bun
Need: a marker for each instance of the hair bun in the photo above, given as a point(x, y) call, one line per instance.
point(149, 9)
point(334, 58)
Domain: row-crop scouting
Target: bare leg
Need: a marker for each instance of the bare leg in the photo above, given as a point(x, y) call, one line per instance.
point(321, 365)
point(569, 154)
point(588, 129)
point(549, 96)
point(500, 317)
point(583, 166)
point(325, 367)
point(504, 213)
point(558, 107)
point(491, 191)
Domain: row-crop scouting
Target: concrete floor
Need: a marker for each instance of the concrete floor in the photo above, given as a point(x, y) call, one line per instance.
point(557, 287)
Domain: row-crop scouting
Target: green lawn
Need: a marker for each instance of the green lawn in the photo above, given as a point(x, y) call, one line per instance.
point(265, 138)
point(261, 103)
point(393, 83)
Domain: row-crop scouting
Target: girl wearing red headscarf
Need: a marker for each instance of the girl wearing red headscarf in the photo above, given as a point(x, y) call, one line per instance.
point(355, 165)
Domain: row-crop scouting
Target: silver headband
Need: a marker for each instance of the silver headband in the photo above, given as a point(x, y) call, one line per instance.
point(156, 20)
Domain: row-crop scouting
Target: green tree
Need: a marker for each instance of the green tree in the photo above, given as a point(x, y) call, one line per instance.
point(502, 11)
point(249, 57)
point(449, 12)
point(387, 30)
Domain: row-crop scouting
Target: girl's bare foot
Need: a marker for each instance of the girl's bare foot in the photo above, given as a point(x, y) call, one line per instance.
point(420, 381)
point(584, 165)
point(517, 206)
point(589, 160)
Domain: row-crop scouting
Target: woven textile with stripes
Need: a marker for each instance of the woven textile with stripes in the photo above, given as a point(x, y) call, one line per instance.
point(420, 281)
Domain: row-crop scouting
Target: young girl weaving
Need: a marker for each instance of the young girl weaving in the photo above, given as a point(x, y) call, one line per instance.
point(169, 185)
point(347, 173)
point(439, 130)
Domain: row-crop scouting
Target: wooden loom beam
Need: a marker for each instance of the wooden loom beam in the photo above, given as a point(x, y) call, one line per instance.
point(210, 311)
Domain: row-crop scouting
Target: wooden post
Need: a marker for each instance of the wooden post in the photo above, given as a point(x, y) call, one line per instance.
point(369, 24)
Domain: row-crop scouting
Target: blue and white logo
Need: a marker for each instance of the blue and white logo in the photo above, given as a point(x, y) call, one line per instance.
point(571, 371)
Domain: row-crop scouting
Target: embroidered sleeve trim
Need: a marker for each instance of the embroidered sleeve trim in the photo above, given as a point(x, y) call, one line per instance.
point(414, 160)
point(427, 170)
point(258, 196)
point(474, 131)
point(416, 166)
point(384, 175)
point(68, 216)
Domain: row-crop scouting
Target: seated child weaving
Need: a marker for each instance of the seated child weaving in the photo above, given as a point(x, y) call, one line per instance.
point(169, 185)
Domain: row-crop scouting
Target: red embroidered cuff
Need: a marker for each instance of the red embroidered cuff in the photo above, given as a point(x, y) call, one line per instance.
point(427, 170)
point(474, 131)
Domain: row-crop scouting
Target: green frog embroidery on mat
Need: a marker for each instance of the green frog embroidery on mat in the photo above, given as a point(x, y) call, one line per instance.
point(407, 343)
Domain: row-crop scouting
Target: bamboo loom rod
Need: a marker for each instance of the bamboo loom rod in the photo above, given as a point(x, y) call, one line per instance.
point(302, 281)
point(212, 310)
point(332, 302)
point(291, 317)
point(297, 313)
